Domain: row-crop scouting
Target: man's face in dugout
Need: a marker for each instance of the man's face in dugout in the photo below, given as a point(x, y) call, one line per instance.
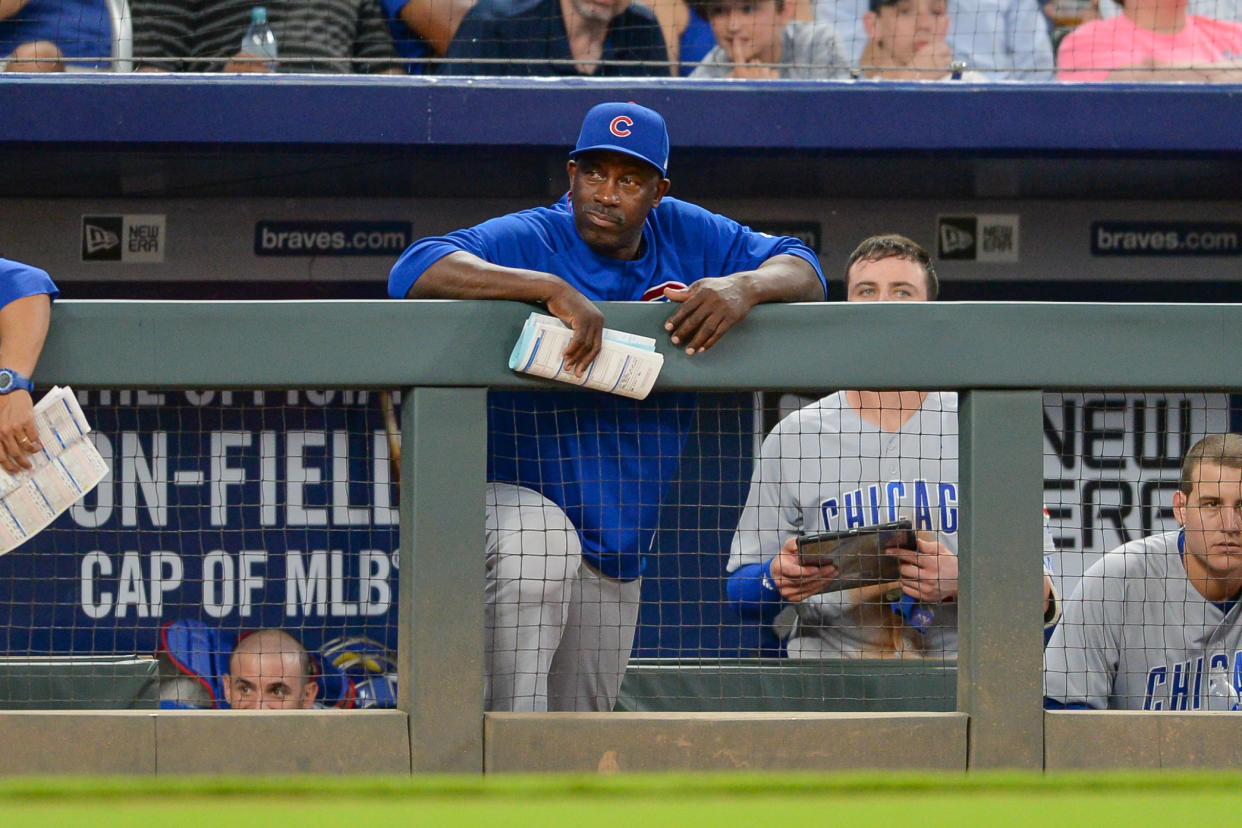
point(886, 280)
point(1212, 517)
point(611, 194)
point(268, 681)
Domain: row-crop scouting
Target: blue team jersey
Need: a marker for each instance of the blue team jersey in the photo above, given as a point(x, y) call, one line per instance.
point(606, 460)
point(18, 280)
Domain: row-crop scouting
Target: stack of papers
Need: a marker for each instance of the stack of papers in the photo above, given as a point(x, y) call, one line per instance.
point(627, 364)
point(66, 469)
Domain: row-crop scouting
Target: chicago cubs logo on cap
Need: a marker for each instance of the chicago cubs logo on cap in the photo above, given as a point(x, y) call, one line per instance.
point(643, 130)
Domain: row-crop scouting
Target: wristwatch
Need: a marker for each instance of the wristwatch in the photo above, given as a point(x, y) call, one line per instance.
point(11, 381)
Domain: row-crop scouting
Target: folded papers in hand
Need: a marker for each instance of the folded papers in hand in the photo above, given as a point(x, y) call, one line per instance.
point(66, 469)
point(627, 364)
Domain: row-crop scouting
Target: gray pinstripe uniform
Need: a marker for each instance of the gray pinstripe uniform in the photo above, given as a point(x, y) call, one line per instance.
point(1137, 635)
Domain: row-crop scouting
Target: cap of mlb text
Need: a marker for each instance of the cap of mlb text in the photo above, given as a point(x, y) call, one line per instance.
point(626, 128)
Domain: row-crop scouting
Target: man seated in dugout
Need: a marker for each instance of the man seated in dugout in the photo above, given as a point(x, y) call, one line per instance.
point(270, 670)
point(1154, 624)
point(861, 458)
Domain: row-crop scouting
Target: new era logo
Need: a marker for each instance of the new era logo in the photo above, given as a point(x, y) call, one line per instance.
point(129, 239)
point(957, 237)
point(990, 238)
point(101, 238)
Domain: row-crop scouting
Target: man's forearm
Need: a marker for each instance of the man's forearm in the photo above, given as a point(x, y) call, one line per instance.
point(462, 275)
point(785, 278)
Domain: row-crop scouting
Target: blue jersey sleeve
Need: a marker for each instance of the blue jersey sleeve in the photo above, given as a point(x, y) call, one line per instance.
point(18, 280)
point(729, 247)
point(521, 240)
point(750, 596)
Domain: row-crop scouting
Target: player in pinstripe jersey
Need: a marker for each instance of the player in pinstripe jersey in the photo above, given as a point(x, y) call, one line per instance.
point(859, 458)
point(1155, 624)
point(576, 479)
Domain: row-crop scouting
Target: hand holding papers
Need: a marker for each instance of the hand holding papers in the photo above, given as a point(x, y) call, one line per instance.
point(627, 364)
point(66, 469)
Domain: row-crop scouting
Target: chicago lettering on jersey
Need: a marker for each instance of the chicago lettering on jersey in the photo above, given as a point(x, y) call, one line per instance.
point(929, 504)
point(1185, 685)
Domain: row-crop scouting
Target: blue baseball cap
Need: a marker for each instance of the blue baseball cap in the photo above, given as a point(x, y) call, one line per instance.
point(626, 128)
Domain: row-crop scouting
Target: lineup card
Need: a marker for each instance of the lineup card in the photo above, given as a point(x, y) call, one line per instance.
point(627, 364)
point(66, 469)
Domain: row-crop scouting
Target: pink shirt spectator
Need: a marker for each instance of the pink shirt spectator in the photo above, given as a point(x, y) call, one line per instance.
point(1096, 48)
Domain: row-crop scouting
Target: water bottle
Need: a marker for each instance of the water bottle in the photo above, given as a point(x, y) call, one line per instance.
point(259, 40)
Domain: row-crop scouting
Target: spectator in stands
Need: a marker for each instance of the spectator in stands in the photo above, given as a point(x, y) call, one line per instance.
point(423, 28)
point(1154, 624)
point(1001, 39)
point(1218, 9)
point(270, 670)
point(558, 37)
point(907, 40)
point(859, 458)
point(323, 36)
point(760, 39)
point(38, 35)
point(576, 479)
point(1153, 40)
point(26, 296)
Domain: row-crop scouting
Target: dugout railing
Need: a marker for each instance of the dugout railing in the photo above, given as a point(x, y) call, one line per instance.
point(444, 355)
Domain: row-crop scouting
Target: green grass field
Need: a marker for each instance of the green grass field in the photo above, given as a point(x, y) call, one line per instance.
point(754, 799)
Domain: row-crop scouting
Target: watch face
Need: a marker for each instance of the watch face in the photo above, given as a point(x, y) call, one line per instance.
point(6, 380)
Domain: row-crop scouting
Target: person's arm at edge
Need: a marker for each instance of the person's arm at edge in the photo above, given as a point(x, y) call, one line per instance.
point(23, 329)
point(710, 307)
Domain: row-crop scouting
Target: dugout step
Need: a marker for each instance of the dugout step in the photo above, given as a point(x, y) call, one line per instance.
point(785, 685)
point(104, 682)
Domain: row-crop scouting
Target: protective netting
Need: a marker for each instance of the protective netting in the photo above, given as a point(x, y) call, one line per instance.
point(652, 586)
point(225, 512)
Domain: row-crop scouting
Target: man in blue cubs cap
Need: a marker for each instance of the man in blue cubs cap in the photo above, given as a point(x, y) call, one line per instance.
point(576, 478)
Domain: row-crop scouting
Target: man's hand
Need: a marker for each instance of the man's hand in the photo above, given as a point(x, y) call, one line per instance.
point(581, 314)
point(794, 581)
point(18, 437)
point(709, 307)
point(928, 575)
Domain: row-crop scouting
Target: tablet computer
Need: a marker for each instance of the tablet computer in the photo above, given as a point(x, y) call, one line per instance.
point(858, 553)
